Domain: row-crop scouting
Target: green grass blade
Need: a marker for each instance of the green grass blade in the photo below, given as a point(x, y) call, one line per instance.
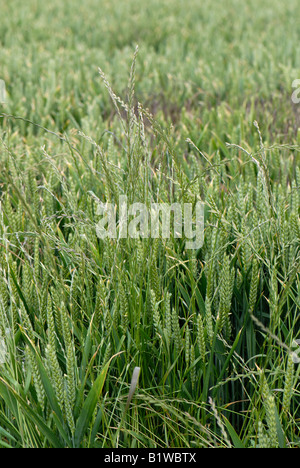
point(32, 415)
point(234, 437)
point(89, 406)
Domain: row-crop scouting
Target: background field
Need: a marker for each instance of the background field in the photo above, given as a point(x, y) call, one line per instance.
point(212, 331)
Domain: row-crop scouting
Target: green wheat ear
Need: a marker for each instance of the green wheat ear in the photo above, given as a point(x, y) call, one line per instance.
point(187, 340)
point(253, 285)
point(201, 338)
point(28, 284)
point(101, 295)
point(29, 355)
point(50, 323)
point(71, 381)
point(55, 374)
point(288, 387)
point(155, 313)
point(263, 438)
point(168, 315)
point(124, 305)
point(225, 293)
point(26, 322)
point(69, 413)
point(65, 325)
point(209, 320)
point(193, 367)
point(176, 330)
point(270, 407)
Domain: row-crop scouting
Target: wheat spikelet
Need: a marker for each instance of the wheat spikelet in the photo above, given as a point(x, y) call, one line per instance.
point(253, 285)
point(44, 298)
point(176, 330)
point(142, 127)
point(131, 88)
point(3, 319)
point(193, 367)
point(262, 201)
point(36, 259)
point(193, 263)
point(13, 292)
point(100, 302)
point(168, 315)
point(10, 215)
point(236, 220)
point(4, 297)
point(107, 353)
point(154, 279)
point(269, 403)
point(297, 177)
point(74, 296)
point(50, 323)
point(20, 218)
point(263, 438)
point(265, 390)
point(155, 312)
point(228, 325)
point(285, 239)
point(26, 322)
point(36, 376)
point(27, 285)
point(48, 197)
point(88, 282)
point(225, 293)
point(213, 206)
point(71, 377)
point(115, 99)
point(65, 326)
point(56, 302)
point(108, 254)
point(295, 197)
point(242, 200)
point(209, 320)
point(187, 346)
point(219, 422)
point(295, 231)
point(69, 413)
point(139, 257)
point(246, 249)
point(288, 387)
point(124, 306)
point(255, 235)
point(170, 258)
point(270, 408)
point(273, 300)
point(210, 282)
point(249, 198)
point(264, 169)
point(108, 319)
point(201, 337)
point(55, 374)
point(33, 189)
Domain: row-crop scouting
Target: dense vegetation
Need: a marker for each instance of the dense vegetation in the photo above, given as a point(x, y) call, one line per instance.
point(202, 111)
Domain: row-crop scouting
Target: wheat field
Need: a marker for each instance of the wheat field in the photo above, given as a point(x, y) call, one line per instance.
point(141, 342)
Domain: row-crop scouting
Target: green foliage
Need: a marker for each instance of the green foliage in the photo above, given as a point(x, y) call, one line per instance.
point(212, 331)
